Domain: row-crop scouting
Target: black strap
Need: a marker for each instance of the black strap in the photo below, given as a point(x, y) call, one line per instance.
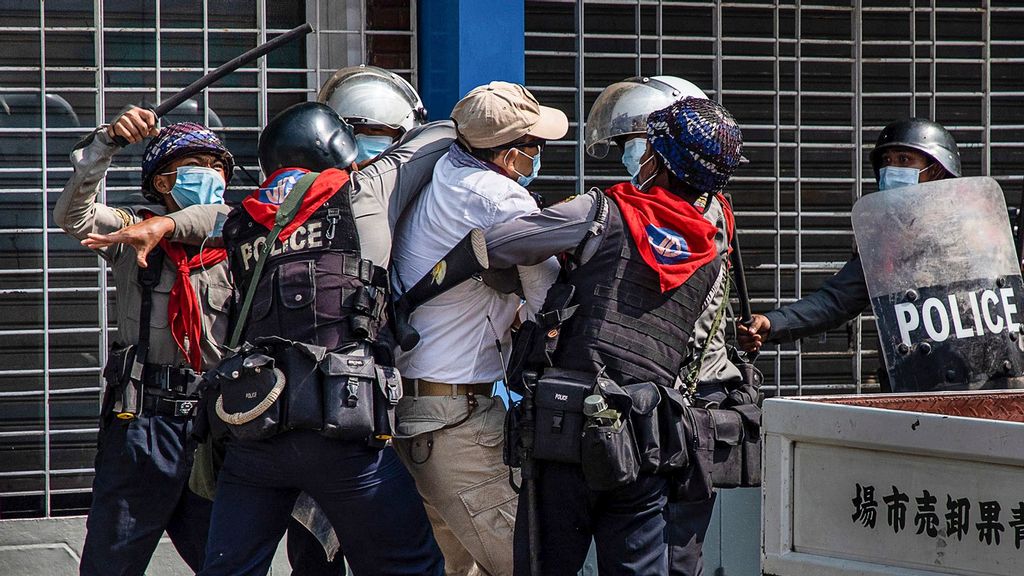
point(148, 277)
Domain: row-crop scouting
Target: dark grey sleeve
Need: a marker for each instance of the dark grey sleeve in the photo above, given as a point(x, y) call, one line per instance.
point(839, 300)
point(531, 239)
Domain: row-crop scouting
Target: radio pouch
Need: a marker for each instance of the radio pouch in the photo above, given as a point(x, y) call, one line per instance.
point(558, 405)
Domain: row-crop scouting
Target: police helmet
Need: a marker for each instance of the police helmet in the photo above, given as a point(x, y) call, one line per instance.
point(622, 108)
point(922, 135)
point(375, 96)
point(308, 135)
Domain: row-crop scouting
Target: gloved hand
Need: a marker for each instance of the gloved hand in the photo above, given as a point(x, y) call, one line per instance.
point(752, 336)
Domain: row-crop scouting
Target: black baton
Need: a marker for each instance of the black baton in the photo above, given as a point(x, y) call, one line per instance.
point(222, 71)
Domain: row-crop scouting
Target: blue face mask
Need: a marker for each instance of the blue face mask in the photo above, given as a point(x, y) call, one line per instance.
point(371, 146)
point(525, 179)
point(197, 185)
point(632, 152)
point(890, 177)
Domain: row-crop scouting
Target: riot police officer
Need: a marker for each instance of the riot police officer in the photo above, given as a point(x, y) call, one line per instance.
point(619, 118)
point(380, 105)
point(171, 319)
point(315, 315)
point(907, 152)
point(641, 262)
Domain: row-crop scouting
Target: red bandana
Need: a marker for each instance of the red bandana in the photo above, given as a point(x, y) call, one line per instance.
point(183, 312)
point(324, 187)
point(671, 235)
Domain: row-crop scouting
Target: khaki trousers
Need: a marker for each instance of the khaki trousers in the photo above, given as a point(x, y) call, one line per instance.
point(460, 474)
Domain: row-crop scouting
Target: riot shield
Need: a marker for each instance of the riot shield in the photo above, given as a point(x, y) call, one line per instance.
point(945, 285)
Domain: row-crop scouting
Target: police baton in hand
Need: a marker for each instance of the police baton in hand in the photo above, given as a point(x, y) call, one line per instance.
point(222, 71)
point(462, 262)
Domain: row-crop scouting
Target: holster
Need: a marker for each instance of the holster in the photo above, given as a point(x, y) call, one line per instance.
point(534, 342)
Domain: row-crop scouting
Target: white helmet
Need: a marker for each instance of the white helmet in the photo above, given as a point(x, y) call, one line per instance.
point(622, 108)
point(370, 95)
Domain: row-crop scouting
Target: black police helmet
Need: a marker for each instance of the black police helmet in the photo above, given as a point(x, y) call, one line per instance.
point(308, 135)
point(922, 135)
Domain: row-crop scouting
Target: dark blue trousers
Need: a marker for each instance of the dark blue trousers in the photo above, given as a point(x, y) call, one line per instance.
point(141, 490)
point(367, 495)
point(627, 524)
point(687, 525)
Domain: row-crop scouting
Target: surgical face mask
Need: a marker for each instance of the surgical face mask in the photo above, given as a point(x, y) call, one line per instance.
point(525, 179)
point(197, 185)
point(890, 177)
point(632, 152)
point(369, 146)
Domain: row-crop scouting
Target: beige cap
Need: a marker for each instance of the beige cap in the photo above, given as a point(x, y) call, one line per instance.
point(501, 112)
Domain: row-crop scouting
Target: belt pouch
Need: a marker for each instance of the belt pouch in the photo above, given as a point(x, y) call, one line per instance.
point(348, 383)
point(751, 446)
point(558, 425)
point(693, 483)
point(728, 454)
point(250, 388)
point(672, 426)
point(609, 452)
point(388, 392)
point(646, 427)
point(303, 397)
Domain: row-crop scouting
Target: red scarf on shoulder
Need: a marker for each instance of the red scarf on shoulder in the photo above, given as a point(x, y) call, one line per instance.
point(263, 204)
point(673, 237)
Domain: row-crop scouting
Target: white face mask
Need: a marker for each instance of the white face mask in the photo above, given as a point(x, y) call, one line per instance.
point(632, 151)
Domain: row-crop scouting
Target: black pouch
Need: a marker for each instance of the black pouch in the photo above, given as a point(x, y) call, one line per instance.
point(609, 453)
point(388, 392)
point(116, 373)
point(726, 472)
point(527, 345)
point(558, 408)
point(250, 387)
point(693, 483)
point(750, 473)
point(672, 423)
point(348, 390)
point(645, 423)
point(303, 398)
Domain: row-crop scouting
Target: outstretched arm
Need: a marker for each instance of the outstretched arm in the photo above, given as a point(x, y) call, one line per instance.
point(532, 239)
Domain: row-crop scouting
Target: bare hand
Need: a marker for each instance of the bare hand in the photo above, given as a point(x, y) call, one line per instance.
point(134, 125)
point(751, 337)
point(143, 236)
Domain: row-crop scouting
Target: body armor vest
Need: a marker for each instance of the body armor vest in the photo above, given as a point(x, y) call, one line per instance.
point(624, 323)
point(315, 287)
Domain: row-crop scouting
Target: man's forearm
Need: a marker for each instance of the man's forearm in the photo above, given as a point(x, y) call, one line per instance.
point(531, 239)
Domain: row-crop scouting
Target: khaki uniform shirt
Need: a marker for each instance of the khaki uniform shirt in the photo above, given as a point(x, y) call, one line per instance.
point(78, 213)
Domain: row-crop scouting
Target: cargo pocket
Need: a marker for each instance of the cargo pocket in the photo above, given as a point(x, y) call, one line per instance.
point(218, 300)
point(348, 383)
point(297, 294)
point(491, 506)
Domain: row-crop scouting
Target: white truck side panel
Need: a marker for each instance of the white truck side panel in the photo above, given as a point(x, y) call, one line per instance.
point(830, 471)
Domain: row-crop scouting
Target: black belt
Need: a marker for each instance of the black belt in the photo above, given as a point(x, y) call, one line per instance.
point(180, 381)
point(165, 406)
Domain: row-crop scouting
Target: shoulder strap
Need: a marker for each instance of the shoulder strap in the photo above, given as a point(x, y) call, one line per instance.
point(148, 277)
point(694, 373)
point(284, 216)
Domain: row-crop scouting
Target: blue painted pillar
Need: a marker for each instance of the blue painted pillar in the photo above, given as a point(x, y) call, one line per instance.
point(465, 43)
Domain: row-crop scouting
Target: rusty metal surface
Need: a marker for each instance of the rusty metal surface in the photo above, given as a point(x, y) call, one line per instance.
point(1005, 405)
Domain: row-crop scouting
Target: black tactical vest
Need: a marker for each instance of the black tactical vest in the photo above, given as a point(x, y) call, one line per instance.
point(624, 323)
point(315, 288)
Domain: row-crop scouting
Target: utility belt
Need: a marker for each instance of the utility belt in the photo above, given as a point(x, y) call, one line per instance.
point(137, 388)
point(617, 432)
point(273, 385)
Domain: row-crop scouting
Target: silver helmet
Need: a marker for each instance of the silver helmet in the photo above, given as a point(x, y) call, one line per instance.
point(370, 95)
point(622, 108)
